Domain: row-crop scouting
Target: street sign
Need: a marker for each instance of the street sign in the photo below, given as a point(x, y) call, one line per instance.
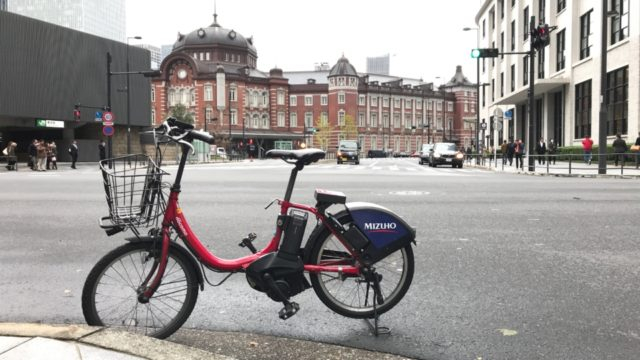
point(49, 123)
point(508, 114)
point(98, 116)
point(483, 126)
point(107, 130)
point(107, 116)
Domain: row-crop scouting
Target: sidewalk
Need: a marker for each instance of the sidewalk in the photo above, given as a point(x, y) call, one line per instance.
point(562, 168)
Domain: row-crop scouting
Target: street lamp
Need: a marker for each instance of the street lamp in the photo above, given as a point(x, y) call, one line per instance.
point(602, 120)
point(129, 97)
point(477, 90)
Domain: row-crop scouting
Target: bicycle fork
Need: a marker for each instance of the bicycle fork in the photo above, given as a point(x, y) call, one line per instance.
point(145, 292)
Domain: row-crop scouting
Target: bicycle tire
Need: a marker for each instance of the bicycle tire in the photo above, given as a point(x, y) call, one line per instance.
point(323, 240)
point(114, 302)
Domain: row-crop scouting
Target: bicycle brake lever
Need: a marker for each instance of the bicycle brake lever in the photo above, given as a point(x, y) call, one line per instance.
point(271, 203)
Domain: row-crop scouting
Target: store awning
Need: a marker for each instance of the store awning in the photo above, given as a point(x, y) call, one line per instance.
point(541, 86)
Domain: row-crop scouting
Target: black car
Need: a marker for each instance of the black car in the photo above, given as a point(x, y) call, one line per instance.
point(348, 152)
point(425, 153)
point(446, 154)
point(376, 154)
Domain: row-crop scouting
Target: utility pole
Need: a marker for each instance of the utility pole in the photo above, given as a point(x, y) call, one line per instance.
point(532, 109)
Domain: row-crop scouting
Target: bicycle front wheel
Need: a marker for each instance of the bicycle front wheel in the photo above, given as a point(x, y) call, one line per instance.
point(110, 293)
point(353, 296)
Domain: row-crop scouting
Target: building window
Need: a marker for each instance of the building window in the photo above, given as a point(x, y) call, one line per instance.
point(525, 23)
point(493, 60)
point(360, 119)
point(396, 121)
point(385, 102)
point(385, 120)
point(583, 109)
point(324, 100)
point(341, 118)
point(308, 119)
point(341, 98)
point(153, 94)
point(501, 84)
point(560, 47)
point(254, 99)
point(617, 101)
point(513, 3)
point(620, 22)
point(208, 113)
point(153, 116)
point(374, 120)
point(361, 100)
point(525, 70)
point(418, 104)
point(585, 35)
point(396, 103)
point(280, 97)
point(280, 119)
point(542, 6)
point(561, 5)
point(255, 121)
point(293, 100)
point(513, 35)
point(172, 97)
point(502, 45)
point(324, 118)
point(450, 107)
point(308, 100)
point(293, 119)
point(541, 63)
point(484, 94)
point(493, 92)
point(492, 19)
point(374, 101)
point(233, 93)
point(192, 97)
point(439, 106)
point(265, 121)
point(513, 78)
point(265, 99)
point(484, 27)
point(501, 4)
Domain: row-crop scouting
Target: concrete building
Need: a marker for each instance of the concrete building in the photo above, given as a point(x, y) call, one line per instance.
point(567, 72)
point(378, 64)
point(213, 73)
point(104, 18)
point(154, 51)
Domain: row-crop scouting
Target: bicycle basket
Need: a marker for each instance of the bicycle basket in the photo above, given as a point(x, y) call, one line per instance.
point(133, 185)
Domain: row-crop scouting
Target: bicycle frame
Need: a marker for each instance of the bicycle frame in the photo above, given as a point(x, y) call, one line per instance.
point(174, 218)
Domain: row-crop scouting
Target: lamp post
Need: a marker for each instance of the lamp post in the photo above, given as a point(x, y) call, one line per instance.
point(602, 118)
point(129, 97)
point(477, 91)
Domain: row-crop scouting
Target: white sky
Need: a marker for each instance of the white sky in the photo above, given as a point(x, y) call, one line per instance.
point(424, 37)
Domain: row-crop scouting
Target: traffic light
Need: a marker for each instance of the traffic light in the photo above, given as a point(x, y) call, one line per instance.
point(540, 36)
point(76, 112)
point(485, 53)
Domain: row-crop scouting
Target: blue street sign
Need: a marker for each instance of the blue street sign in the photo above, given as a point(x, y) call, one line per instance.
point(508, 114)
point(107, 130)
point(98, 116)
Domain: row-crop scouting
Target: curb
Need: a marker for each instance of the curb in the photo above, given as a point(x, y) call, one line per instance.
point(119, 341)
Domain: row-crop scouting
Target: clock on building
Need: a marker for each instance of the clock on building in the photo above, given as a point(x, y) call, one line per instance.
point(182, 73)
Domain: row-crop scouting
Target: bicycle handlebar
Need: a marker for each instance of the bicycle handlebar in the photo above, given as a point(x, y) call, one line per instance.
point(182, 132)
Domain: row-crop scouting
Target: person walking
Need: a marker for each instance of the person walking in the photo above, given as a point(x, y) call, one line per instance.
point(503, 151)
point(102, 150)
point(54, 155)
point(73, 151)
point(637, 144)
point(519, 152)
point(619, 148)
point(587, 145)
point(541, 150)
point(552, 149)
point(12, 161)
point(511, 148)
point(41, 155)
point(32, 150)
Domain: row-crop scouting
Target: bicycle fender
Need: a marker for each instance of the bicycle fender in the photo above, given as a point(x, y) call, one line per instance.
point(174, 246)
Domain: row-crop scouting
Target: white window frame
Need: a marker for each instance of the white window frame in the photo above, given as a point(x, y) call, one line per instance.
point(281, 119)
point(280, 97)
point(361, 100)
point(293, 100)
point(308, 100)
point(361, 119)
point(341, 97)
point(293, 119)
point(208, 92)
point(324, 100)
point(341, 115)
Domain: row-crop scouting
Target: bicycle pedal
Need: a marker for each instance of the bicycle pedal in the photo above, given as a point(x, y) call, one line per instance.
point(289, 310)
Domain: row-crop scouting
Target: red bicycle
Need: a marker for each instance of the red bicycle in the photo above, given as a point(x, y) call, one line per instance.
point(359, 260)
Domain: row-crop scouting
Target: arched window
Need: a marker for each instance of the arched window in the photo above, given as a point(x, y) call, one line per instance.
point(265, 121)
point(265, 99)
point(254, 99)
point(172, 97)
point(254, 121)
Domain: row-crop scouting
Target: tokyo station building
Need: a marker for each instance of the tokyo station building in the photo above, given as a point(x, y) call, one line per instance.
point(213, 73)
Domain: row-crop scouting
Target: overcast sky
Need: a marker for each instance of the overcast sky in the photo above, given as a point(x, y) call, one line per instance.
point(423, 37)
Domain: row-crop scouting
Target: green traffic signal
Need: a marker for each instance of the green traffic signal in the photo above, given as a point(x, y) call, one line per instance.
point(485, 53)
point(475, 53)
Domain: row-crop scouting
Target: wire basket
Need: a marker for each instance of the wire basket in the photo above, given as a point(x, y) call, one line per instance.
point(133, 185)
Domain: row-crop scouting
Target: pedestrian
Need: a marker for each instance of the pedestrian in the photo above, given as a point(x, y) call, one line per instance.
point(102, 150)
point(511, 148)
point(41, 155)
point(32, 150)
point(541, 150)
point(469, 152)
point(552, 149)
point(637, 145)
point(12, 161)
point(73, 151)
point(619, 148)
point(54, 155)
point(587, 145)
point(503, 151)
point(519, 152)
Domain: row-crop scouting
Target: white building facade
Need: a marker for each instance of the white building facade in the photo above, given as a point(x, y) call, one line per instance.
point(104, 18)
point(566, 73)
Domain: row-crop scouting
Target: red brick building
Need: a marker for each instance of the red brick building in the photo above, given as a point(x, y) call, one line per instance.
point(213, 72)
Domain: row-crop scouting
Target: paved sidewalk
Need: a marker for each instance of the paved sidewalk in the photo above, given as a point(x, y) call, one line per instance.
point(562, 168)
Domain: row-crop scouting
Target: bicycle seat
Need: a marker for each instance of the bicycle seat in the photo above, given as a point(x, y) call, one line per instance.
point(306, 156)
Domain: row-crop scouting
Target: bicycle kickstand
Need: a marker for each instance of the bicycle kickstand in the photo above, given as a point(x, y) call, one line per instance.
point(377, 299)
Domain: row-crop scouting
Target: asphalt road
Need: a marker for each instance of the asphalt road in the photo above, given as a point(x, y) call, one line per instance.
point(507, 266)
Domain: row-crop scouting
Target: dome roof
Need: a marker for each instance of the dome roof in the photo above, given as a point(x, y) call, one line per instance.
point(343, 67)
point(214, 35)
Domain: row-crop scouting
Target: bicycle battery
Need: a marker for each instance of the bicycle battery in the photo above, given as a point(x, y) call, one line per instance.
point(293, 226)
point(376, 232)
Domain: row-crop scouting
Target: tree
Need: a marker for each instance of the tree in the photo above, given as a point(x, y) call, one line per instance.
point(349, 129)
point(323, 132)
point(181, 113)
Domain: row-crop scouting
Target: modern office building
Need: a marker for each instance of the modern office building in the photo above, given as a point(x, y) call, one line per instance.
point(3, 5)
point(104, 18)
point(213, 73)
point(155, 54)
point(378, 64)
point(567, 72)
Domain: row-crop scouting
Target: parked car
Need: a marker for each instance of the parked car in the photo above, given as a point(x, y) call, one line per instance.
point(425, 152)
point(348, 151)
point(376, 154)
point(446, 154)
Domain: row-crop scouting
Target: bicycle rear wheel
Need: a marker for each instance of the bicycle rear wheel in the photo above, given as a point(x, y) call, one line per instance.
point(353, 296)
point(110, 296)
